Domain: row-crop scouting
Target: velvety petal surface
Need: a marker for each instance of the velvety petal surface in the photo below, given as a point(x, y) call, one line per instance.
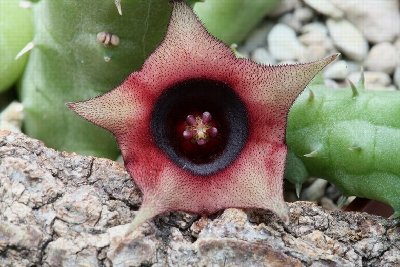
point(254, 179)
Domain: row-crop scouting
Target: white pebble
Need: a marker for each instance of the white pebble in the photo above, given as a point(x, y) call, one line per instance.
point(291, 21)
point(315, 191)
point(378, 20)
point(258, 37)
point(314, 52)
point(397, 44)
point(315, 27)
point(382, 57)
point(337, 70)
point(285, 6)
point(348, 39)
point(283, 43)
point(353, 66)
point(313, 37)
point(325, 7)
point(262, 56)
point(331, 84)
point(303, 14)
point(11, 117)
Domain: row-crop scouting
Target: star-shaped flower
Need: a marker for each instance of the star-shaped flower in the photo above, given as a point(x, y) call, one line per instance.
point(199, 129)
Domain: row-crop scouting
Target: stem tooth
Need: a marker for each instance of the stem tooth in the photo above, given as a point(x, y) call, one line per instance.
point(312, 154)
point(118, 5)
point(311, 95)
point(361, 82)
point(353, 89)
point(298, 189)
point(28, 47)
point(355, 148)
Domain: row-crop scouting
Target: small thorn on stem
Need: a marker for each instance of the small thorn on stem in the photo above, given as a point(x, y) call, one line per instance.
point(361, 82)
point(355, 148)
point(353, 89)
point(28, 47)
point(312, 154)
point(298, 189)
point(118, 5)
point(311, 95)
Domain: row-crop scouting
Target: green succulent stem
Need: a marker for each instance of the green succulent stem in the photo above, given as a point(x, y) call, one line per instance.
point(231, 20)
point(83, 49)
point(349, 137)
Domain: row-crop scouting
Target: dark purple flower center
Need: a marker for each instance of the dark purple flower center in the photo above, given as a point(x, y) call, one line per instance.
point(199, 129)
point(200, 124)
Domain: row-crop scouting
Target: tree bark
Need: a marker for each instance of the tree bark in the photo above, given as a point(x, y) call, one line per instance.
point(62, 209)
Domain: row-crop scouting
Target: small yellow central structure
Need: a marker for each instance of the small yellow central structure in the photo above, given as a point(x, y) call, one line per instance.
point(198, 129)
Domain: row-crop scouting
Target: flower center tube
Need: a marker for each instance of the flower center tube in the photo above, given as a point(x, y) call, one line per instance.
point(200, 130)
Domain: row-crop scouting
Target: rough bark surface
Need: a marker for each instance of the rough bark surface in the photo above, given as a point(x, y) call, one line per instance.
point(62, 209)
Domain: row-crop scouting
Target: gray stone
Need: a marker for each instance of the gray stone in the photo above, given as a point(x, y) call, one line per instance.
point(303, 14)
point(331, 83)
point(383, 57)
point(325, 7)
point(11, 117)
point(315, 27)
point(285, 6)
point(283, 43)
point(318, 43)
point(378, 20)
point(257, 37)
point(328, 204)
point(314, 52)
point(314, 37)
point(338, 70)
point(348, 39)
point(292, 21)
point(397, 45)
point(62, 209)
point(315, 191)
point(262, 56)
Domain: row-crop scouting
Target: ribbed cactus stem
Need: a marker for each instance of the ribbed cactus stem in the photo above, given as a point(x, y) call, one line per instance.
point(349, 137)
point(80, 52)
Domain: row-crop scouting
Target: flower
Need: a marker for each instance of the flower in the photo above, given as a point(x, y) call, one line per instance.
point(199, 129)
